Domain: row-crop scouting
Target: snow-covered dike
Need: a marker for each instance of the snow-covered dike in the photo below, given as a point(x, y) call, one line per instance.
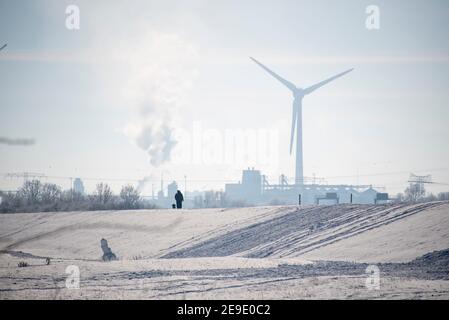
point(245, 253)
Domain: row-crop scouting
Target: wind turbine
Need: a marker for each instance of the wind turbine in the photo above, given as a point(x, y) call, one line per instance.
point(298, 95)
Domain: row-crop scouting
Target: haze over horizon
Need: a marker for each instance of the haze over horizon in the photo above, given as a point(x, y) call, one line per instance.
point(156, 87)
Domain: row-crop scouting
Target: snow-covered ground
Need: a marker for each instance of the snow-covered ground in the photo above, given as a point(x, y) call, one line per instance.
point(284, 252)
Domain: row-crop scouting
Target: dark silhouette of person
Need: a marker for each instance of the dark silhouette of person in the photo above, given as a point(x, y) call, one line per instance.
point(179, 199)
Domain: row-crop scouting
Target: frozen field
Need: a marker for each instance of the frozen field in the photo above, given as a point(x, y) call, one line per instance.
point(284, 252)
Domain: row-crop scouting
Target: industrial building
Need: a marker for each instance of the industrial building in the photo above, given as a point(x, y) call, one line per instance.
point(248, 190)
point(254, 189)
point(78, 186)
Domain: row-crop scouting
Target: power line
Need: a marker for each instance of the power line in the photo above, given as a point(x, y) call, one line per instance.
point(11, 175)
point(387, 173)
point(8, 175)
point(441, 183)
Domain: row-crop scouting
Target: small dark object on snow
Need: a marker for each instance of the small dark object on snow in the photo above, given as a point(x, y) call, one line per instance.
point(107, 252)
point(22, 264)
point(173, 206)
point(47, 261)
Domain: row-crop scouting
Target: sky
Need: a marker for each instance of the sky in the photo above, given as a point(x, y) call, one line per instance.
point(151, 89)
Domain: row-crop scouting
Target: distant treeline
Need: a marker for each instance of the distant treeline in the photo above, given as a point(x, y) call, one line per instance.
point(417, 193)
point(35, 196)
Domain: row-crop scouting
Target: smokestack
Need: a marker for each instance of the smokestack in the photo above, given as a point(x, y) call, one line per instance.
point(162, 182)
point(152, 191)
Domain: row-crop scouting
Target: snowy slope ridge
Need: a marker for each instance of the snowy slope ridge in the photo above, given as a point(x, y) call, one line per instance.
point(362, 233)
point(305, 230)
point(136, 234)
point(284, 252)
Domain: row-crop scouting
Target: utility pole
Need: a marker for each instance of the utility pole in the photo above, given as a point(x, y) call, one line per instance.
point(419, 181)
point(162, 183)
point(71, 188)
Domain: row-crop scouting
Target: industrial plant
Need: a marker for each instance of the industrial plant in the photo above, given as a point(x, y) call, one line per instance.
point(254, 188)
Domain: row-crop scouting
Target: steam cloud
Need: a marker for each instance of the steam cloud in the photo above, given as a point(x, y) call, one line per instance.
point(158, 141)
point(154, 133)
point(16, 142)
point(161, 73)
point(143, 182)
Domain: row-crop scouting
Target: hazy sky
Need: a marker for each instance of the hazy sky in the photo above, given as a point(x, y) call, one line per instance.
point(111, 99)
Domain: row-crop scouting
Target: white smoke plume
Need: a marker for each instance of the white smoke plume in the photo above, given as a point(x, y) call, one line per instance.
point(162, 69)
point(143, 182)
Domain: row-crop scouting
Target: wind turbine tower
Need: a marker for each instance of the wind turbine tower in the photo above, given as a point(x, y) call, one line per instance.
point(298, 95)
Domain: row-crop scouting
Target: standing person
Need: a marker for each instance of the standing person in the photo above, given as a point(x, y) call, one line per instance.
point(179, 199)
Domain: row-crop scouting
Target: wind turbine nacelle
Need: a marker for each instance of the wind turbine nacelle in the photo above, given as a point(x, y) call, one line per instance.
point(298, 93)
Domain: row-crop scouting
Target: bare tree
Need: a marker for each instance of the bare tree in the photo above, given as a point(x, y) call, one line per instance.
point(31, 191)
point(130, 197)
point(10, 202)
point(414, 192)
point(443, 196)
point(103, 194)
point(50, 193)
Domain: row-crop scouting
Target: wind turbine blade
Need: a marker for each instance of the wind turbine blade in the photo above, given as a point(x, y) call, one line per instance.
point(294, 119)
point(286, 83)
point(4, 46)
point(322, 83)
